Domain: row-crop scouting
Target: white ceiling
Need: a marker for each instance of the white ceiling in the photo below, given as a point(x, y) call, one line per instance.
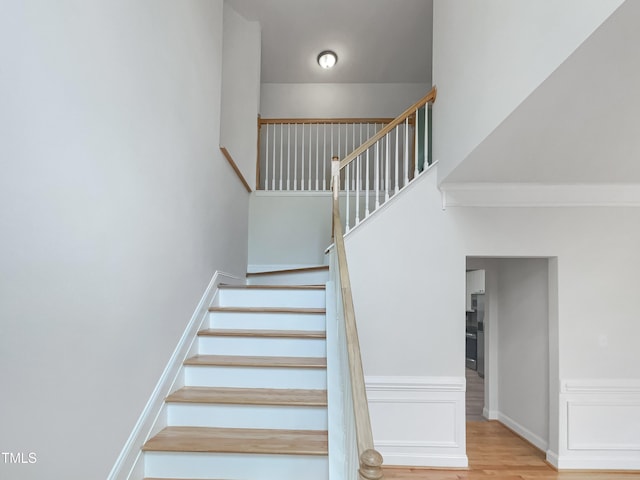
point(377, 41)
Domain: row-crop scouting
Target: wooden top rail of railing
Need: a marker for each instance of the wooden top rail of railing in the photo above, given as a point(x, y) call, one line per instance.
point(370, 460)
point(328, 121)
point(429, 97)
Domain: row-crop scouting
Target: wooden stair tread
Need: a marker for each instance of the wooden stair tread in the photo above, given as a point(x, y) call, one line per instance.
point(239, 440)
point(268, 310)
point(251, 361)
point(289, 270)
point(250, 396)
point(225, 286)
point(228, 332)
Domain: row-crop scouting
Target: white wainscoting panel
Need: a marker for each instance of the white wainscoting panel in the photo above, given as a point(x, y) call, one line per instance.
point(419, 421)
point(599, 425)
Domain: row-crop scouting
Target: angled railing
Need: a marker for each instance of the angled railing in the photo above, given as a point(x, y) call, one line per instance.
point(387, 162)
point(369, 179)
point(362, 462)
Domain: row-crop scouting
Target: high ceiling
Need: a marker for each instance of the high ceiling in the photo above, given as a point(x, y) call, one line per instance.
point(377, 41)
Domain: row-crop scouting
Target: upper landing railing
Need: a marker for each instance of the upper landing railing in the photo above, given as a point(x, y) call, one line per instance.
point(294, 154)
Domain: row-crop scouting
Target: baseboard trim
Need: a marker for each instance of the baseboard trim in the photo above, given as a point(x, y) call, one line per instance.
point(128, 462)
point(489, 414)
point(422, 460)
point(594, 462)
point(553, 459)
point(524, 432)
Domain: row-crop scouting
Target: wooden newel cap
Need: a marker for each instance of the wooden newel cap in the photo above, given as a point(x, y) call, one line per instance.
point(371, 465)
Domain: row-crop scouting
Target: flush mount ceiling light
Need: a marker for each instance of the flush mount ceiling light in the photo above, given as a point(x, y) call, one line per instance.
point(327, 59)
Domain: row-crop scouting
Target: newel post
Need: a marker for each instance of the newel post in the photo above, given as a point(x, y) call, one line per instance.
point(335, 176)
point(335, 185)
point(371, 465)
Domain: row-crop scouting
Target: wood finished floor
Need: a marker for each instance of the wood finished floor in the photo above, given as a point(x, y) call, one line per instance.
point(474, 399)
point(496, 453)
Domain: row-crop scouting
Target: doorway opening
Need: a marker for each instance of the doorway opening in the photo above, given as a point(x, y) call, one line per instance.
point(512, 307)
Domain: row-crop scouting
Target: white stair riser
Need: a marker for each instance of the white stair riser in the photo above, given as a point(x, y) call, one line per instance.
point(262, 346)
point(234, 466)
point(255, 377)
point(247, 416)
point(267, 321)
point(303, 278)
point(240, 297)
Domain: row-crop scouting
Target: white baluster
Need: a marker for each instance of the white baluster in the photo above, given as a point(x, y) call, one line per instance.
point(426, 136)
point(302, 162)
point(288, 156)
point(309, 183)
point(339, 156)
point(333, 152)
point(317, 154)
point(346, 189)
point(281, 154)
point(368, 190)
point(357, 175)
point(353, 147)
point(377, 174)
point(324, 156)
point(396, 160)
point(295, 157)
point(266, 160)
point(387, 179)
point(416, 148)
point(406, 152)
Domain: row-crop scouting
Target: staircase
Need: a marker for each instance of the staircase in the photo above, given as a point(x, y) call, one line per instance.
point(254, 400)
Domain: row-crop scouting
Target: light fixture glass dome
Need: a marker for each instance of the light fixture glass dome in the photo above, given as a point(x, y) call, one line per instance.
point(327, 59)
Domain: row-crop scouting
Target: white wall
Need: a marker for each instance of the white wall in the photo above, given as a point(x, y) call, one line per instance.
point(338, 100)
point(292, 229)
point(116, 208)
point(410, 300)
point(489, 56)
point(240, 91)
point(288, 229)
point(523, 347)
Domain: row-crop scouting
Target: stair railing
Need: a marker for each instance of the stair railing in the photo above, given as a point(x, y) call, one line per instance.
point(355, 407)
point(380, 165)
point(386, 163)
point(294, 153)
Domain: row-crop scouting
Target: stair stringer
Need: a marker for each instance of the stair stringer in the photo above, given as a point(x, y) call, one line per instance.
point(129, 464)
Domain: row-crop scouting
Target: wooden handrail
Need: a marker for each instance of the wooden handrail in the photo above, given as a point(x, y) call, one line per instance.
point(328, 121)
point(370, 460)
point(429, 97)
point(234, 165)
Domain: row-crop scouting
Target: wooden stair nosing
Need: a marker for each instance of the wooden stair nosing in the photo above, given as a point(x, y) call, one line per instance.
point(225, 286)
point(256, 361)
point(228, 332)
point(289, 270)
point(299, 310)
point(239, 440)
point(249, 396)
